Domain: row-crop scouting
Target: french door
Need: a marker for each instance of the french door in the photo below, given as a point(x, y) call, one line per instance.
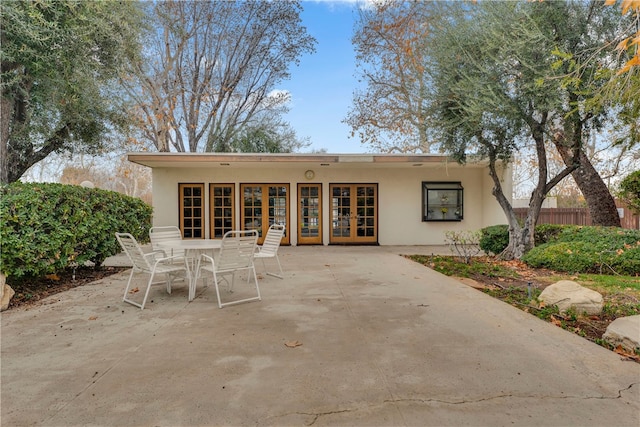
point(191, 210)
point(354, 213)
point(221, 208)
point(263, 205)
point(309, 214)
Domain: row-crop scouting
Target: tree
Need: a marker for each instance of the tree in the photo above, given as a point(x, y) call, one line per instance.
point(59, 62)
point(391, 113)
point(577, 33)
point(506, 84)
point(210, 69)
point(630, 191)
point(630, 44)
point(624, 86)
point(496, 84)
point(264, 138)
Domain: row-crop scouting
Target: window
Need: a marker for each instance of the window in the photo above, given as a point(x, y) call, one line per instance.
point(442, 201)
point(192, 210)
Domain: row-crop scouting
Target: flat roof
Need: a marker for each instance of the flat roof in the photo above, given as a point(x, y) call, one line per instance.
point(195, 160)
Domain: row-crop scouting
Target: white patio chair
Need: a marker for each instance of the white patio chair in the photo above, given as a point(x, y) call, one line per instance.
point(152, 263)
point(164, 234)
point(270, 246)
point(235, 255)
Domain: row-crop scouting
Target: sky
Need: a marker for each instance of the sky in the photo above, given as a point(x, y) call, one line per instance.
point(322, 85)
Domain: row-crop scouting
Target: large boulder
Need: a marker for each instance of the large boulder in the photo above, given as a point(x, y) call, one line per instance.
point(624, 331)
point(567, 294)
point(6, 293)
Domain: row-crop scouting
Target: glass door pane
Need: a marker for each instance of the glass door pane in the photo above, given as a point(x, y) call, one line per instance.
point(222, 209)
point(252, 208)
point(191, 210)
point(341, 213)
point(354, 213)
point(366, 211)
point(277, 205)
point(310, 214)
point(256, 213)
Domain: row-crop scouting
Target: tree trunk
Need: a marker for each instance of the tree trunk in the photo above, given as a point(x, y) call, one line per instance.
point(600, 203)
point(520, 238)
point(5, 119)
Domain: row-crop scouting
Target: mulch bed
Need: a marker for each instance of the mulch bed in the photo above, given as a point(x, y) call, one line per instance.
point(32, 291)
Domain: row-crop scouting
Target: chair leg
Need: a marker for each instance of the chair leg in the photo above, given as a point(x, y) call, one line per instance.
point(251, 272)
point(146, 293)
point(215, 282)
point(255, 278)
point(126, 289)
point(169, 280)
point(233, 281)
point(279, 276)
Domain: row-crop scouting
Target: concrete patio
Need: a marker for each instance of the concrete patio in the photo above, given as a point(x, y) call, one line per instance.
point(384, 342)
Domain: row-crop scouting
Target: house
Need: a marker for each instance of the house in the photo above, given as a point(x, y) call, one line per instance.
point(323, 199)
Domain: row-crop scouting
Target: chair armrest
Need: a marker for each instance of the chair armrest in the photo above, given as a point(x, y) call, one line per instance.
point(205, 257)
point(160, 252)
point(164, 260)
point(154, 254)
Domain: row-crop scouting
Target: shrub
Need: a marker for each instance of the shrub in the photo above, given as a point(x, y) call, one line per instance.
point(545, 233)
point(494, 239)
point(589, 250)
point(47, 227)
point(573, 257)
point(463, 243)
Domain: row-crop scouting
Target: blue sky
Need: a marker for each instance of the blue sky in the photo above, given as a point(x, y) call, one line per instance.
point(322, 85)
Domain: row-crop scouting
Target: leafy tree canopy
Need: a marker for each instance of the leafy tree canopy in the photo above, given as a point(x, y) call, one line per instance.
point(59, 61)
point(630, 191)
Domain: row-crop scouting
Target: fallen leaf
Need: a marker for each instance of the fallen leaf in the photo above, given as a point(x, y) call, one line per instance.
point(624, 352)
point(555, 321)
point(93, 317)
point(53, 276)
point(293, 344)
point(134, 290)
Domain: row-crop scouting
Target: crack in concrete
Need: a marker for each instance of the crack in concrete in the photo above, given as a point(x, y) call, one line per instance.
point(317, 415)
point(626, 388)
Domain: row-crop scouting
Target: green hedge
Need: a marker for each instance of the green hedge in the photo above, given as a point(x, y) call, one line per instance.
point(45, 227)
point(573, 248)
point(578, 249)
point(494, 239)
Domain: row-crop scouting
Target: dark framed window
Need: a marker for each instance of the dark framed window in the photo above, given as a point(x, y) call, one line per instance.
point(442, 201)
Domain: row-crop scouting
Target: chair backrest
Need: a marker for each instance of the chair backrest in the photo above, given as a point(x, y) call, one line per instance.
point(164, 234)
point(237, 249)
point(133, 250)
point(272, 239)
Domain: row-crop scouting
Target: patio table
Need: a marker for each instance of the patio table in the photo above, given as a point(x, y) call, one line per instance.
point(192, 250)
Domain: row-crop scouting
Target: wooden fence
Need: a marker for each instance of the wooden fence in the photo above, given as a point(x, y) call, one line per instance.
point(579, 216)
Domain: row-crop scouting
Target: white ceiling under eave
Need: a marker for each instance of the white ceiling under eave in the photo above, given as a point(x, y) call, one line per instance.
point(294, 160)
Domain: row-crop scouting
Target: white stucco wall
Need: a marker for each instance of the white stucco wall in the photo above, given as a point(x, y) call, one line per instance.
point(399, 195)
